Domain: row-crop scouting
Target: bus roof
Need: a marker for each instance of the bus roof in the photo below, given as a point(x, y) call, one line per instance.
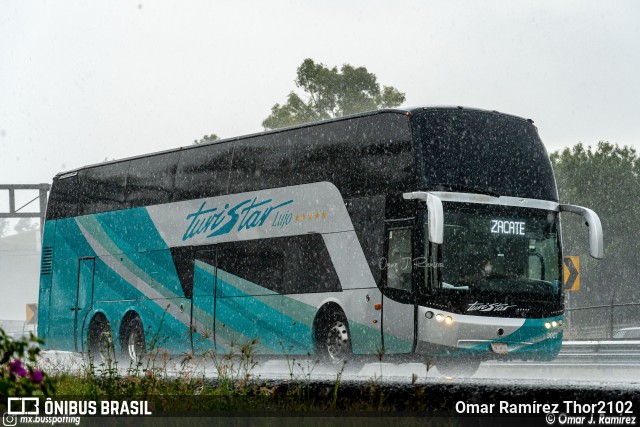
point(404, 111)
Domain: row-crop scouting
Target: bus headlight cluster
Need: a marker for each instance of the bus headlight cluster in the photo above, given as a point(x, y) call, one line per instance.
point(439, 317)
point(553, 324)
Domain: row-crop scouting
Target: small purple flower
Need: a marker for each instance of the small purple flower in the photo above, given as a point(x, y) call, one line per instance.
point(36, 376)
point(16, 368)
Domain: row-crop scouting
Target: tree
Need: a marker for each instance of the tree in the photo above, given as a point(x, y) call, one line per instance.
point(607, 180)
point(205, 139)
point(330, 93)
point(25, 224)
point(4, 225)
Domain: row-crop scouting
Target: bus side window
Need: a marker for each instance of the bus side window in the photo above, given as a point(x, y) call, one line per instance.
point(399, 260)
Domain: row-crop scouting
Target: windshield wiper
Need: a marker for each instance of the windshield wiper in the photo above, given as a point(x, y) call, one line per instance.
point(443, 186)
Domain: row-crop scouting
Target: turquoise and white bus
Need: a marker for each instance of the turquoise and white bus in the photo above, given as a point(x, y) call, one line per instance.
point(428, 231)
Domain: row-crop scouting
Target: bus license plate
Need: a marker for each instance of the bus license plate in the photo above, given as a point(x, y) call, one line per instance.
point(499, 347)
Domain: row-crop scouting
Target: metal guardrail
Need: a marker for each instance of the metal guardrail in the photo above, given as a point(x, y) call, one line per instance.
point(612, 351)
point(597, 345)
point(17, 329)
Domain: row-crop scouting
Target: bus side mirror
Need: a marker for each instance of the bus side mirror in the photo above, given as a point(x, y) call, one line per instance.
point(596, 244)
point(436, 214)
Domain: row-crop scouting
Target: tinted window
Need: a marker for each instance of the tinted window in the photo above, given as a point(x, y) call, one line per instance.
point(257, 261)
point(262, 162)
point(307, 265)
point(151, 179)
point(103, 188)
point(399, 259)
point(63, 199)
point(183, 261)
point(461, 149)
point(203, 171)
point(367, 215)
point(331, 152)
point(286, 265)
point(386, 153)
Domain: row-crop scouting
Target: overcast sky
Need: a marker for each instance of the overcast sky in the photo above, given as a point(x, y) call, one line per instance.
point(84, 81)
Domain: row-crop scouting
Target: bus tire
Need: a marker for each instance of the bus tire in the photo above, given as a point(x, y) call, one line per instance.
point(132, 339)
point(100, 340)
point(334, 338)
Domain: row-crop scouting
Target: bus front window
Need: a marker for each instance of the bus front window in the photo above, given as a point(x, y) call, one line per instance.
point(497, 249)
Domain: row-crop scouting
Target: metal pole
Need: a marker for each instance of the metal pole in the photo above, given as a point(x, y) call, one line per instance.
point(12, 201)
point(43, 209)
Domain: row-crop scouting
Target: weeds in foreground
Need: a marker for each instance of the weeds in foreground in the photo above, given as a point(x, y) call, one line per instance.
point(234, 367)
point(300, 375)
point(428, 364)
point(336, 387)
point(20, 375)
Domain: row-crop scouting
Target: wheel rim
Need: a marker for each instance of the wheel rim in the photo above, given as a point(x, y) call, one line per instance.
point(133, 346)
point(337, 342)
point(104, 345)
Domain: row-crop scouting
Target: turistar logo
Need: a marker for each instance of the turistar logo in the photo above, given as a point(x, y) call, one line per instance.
point(245, 215)
point(494, 306)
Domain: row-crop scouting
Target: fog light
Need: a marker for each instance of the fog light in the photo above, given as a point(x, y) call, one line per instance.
point(547, 325)
point(439, 317)
point(449, 320)
point(554, 324)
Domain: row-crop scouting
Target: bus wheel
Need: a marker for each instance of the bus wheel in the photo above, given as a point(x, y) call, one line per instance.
point(101, 341)
point(133, 340)
point(334, 343)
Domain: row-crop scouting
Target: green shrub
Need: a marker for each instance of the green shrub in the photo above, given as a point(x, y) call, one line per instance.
point(19, 376)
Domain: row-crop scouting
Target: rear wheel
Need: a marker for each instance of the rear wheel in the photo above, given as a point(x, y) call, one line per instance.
point(100, 341)
point(334, 340)
point(132, 340)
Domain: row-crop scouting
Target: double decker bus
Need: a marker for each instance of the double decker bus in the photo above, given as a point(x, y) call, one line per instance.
point(431, 231)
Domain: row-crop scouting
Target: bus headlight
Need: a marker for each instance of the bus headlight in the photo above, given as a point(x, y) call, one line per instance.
point(439, 318)
point(547, 325)
point(448, 320)
point(554, 324)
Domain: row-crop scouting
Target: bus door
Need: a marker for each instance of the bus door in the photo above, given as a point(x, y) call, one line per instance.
point(203, 307)
point(234, 296)
point(398, 303)
point(83, 298)
point(248, 306)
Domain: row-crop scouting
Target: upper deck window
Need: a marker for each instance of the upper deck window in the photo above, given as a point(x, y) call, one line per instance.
point(473, 151)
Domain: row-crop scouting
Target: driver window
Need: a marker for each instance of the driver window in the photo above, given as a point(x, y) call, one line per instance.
point(399, 260)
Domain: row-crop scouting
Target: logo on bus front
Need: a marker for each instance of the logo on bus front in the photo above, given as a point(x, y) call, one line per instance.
point(245, 215)
point(494, 306)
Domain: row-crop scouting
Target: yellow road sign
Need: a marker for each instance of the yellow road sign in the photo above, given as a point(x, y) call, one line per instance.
point(32, 314)
point(571, 267)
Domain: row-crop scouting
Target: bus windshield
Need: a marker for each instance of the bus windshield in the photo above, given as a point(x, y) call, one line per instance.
point(482, 152)
point(502, 250)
